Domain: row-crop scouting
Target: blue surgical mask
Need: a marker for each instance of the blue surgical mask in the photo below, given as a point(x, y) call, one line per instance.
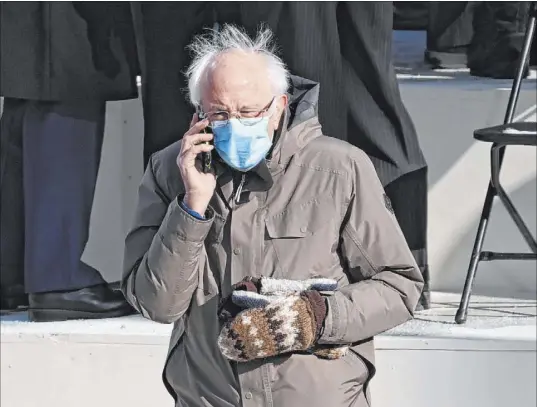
point(242, 144)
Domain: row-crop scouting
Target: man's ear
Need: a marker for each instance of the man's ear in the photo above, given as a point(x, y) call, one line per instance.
point(283, 100)
point(281, 104)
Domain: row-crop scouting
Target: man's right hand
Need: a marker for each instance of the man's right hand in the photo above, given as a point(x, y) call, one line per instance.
point(199, 186)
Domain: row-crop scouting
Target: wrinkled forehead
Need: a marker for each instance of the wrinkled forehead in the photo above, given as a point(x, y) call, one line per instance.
point(237, 80)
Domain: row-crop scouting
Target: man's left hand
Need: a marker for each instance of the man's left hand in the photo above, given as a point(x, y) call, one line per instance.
point(289, 323)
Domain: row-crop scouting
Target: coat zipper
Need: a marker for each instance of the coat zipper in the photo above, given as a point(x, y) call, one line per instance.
point(239, 189)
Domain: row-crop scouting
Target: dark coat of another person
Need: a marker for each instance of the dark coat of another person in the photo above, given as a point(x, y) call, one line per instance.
point(64, 51)
point(163, 31)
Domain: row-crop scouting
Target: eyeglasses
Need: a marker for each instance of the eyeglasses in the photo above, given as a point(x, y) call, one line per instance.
point(246, 117)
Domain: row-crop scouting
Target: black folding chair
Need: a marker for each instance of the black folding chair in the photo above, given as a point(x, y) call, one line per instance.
point(509, 133)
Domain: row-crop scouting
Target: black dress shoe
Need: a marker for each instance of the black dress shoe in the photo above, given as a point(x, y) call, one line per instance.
point(115, 286)
point(13, 298)
point(87, 303)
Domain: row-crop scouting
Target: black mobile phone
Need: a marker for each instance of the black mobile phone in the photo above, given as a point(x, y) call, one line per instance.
point(207, 158)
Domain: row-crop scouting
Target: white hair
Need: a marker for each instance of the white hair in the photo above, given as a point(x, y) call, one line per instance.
point(207, 47)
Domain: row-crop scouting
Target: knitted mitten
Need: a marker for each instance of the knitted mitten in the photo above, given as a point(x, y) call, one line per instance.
point(227, 309)
point(254, 292)
point(234, 303)
point(284, 324)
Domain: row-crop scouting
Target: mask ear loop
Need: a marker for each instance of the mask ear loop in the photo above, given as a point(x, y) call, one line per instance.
point(275, 109)
point(272, 107)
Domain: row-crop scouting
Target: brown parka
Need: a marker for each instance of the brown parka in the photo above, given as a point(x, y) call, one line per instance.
point(325, 214)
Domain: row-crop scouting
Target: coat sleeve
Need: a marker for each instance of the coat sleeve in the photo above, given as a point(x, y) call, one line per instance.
point(164, 254)
point(385, 280)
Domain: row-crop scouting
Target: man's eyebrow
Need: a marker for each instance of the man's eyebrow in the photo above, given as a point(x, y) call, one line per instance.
point(215, 106)
point(255, 106)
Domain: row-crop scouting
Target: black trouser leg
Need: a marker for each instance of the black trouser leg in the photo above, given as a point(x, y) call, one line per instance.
point(11, 202)
point(449, 33)
point(61, 149)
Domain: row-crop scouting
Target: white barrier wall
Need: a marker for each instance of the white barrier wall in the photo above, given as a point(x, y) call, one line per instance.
point(118, 370)
point(445, 110)
point(427, 362)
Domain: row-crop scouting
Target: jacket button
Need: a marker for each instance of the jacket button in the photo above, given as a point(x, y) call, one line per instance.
point(236, 251)
point(247, 395)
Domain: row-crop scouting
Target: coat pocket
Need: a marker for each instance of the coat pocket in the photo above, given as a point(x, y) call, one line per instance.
point(304, 238)
point(317, 382)
point(301, 220)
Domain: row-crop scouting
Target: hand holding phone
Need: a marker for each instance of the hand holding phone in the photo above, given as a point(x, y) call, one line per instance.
point(199, 185)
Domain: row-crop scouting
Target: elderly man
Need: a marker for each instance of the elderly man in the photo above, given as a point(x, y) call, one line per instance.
point(281, 261)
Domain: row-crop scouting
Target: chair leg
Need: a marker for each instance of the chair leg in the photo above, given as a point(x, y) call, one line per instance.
point(496, 158)
point(462, 312)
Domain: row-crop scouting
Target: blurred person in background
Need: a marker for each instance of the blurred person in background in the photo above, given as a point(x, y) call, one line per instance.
point(59, 64)
point(485, 36)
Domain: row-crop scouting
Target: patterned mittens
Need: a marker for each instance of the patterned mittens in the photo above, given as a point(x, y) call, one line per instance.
point(228, 309)
point(266, 317)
